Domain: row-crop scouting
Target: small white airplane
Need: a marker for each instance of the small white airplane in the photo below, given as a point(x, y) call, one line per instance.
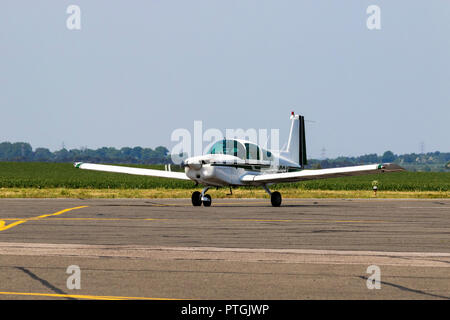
point(236, 162)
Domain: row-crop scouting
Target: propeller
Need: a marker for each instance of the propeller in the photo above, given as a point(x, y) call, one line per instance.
point(192, 164)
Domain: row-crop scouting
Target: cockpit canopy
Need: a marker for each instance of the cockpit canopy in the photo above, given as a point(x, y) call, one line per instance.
point(242, 150)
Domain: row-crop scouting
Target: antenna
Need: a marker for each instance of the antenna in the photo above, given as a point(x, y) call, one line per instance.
point(323, 153)
point(422, 147)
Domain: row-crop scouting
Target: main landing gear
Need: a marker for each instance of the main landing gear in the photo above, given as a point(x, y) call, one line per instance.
point(199, 198)
point(275, 197)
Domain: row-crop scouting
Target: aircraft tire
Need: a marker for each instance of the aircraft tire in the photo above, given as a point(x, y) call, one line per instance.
point(196, 199)
point(207, 203)
point(275, 198)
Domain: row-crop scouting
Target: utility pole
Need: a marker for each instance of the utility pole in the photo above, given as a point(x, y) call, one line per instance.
point(422, 147)
point(323, 153)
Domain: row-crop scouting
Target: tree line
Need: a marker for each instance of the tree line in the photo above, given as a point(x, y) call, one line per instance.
point(23, 152)
point(431, 161)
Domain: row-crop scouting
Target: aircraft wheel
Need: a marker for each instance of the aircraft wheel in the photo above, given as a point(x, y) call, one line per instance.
point(208, 202)
point(196, 199)
point(275, 198)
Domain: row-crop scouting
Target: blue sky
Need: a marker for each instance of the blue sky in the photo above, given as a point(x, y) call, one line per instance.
point(137, 70)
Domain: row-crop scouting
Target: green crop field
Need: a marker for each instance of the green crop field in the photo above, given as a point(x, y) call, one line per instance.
point(64, 175)
point(398, 181)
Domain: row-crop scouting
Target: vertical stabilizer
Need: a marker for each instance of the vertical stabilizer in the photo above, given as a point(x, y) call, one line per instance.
point(296, 147)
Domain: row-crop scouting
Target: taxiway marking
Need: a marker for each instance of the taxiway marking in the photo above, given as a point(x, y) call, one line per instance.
point(4, 227)
point(190, 219)
point(81, 296)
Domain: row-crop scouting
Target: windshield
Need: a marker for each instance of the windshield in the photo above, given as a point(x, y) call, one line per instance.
point(252, 151)
point(229, 147)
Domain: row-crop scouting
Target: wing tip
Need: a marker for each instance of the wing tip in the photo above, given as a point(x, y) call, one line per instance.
point(390, 167)
point(77, 164)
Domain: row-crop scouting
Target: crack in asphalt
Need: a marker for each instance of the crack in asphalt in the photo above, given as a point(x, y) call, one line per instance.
point(409, 289)
point(44, 282)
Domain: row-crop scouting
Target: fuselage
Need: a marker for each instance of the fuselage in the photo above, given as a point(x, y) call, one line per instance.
point(228, 160)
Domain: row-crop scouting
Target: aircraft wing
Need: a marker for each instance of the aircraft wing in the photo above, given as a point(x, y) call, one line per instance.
point(319, 173)
point(130, 170)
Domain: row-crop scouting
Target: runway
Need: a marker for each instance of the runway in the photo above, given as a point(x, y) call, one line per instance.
point(235, 249)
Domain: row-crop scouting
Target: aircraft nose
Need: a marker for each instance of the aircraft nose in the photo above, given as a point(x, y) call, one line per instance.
point(196, 165)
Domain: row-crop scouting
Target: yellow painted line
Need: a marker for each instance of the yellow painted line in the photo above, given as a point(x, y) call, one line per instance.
point(100, 219)
point(80, 296)
point(238, 202)
point(22, 220)
point(299, 220)
point(359, 221)
point(11, 225)
point(56, 213)
point(154, 204)
point(243, 202)
point(111, 219)
point(258, 220)
point(4, 227)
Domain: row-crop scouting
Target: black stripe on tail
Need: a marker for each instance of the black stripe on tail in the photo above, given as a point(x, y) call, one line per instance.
point(302, 143)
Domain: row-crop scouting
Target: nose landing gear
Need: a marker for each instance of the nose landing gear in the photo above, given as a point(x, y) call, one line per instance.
point(206, 200)
point(196, 199)
point(199, 198)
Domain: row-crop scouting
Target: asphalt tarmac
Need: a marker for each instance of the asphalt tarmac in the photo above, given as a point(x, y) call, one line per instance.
point(235, 249)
